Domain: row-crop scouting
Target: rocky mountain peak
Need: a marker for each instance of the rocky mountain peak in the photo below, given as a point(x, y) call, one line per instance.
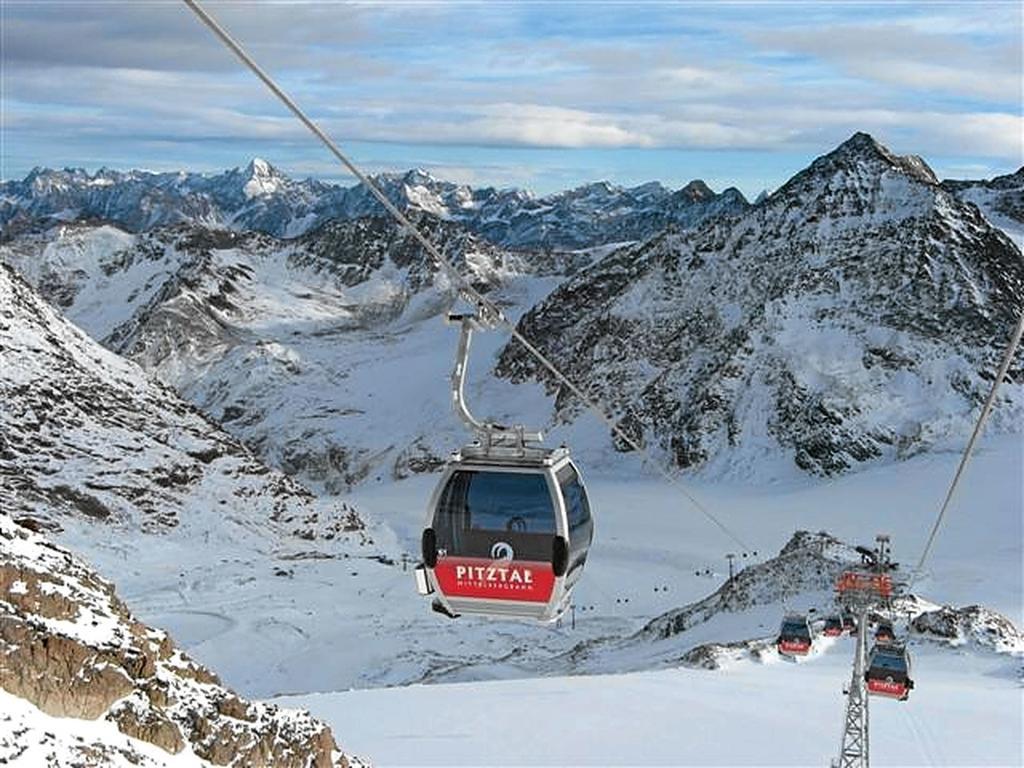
point(420, 176)
point(263, 179)
point(862, 177)
point(804, 322)
point(864, 150)
point(697, 191)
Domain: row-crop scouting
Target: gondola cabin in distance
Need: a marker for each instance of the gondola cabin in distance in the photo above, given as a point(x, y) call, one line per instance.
point(795, 637)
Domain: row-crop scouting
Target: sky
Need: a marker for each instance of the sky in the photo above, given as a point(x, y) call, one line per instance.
point(541, 95)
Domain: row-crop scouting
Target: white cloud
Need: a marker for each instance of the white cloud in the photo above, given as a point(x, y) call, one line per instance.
point(710, 79)
point(549, 126)
point(913, 56)
point(941, 77)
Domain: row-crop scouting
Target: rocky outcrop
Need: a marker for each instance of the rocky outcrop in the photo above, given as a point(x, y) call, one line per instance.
point(970, 625)
point(809, 563)
point(70, 647)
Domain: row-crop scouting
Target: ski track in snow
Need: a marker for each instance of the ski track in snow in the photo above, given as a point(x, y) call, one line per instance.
point(771, 714)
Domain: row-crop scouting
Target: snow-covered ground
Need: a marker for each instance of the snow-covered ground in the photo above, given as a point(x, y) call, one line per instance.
point(30, 737)
point(964, 712)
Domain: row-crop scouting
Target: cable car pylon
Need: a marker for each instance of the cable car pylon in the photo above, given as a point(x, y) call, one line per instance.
point(859, 592)
point(854, 751)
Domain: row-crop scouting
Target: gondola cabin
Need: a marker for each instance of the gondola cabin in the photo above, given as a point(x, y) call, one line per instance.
point(794, 636)
point(507, 533)
point(833, 627)
point(888, 672)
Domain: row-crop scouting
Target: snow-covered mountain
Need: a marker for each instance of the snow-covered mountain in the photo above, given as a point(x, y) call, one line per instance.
point(255, 197)
point(587, 216)
point(1001, 199)
point(260, 197)
point(88, 439)
point(84, 683)
point(854, 314)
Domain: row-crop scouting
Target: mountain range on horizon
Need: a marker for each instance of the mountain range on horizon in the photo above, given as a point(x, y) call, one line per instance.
point(260, 197)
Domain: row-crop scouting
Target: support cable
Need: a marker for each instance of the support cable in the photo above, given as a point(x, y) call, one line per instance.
point(986, 409)
point(448, 268)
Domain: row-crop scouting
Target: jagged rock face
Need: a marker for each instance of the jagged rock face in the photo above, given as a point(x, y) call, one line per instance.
point(590, 215)
point(70, 647)
point(256, 197)
point(855, 313)
point(259, 197)
point(86, 435)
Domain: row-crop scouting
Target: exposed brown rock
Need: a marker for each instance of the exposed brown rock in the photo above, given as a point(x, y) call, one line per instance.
point(143, 721)
point(71, 647)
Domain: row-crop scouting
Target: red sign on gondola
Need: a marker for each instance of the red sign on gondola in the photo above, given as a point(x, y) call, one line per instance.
point(525, 581)
point(798, 647)
point(887, 687)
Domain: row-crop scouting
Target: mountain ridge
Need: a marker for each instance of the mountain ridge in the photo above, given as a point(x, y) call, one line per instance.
point(906, 275)
point(261, 197)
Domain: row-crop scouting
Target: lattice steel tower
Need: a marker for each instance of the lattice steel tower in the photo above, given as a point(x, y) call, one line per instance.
point(859, 591)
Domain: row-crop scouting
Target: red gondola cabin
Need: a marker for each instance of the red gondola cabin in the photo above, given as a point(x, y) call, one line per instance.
point(794, 636)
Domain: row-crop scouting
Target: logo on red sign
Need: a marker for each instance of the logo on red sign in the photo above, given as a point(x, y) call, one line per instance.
point(794, 646)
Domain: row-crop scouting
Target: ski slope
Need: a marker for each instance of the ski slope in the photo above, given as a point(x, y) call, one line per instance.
point(322, 625)
point(964, 712)
point(966, 709)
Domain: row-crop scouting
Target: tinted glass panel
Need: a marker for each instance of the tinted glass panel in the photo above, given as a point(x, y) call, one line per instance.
point(479, 508)
point(887, 662)
point(577, 507)
point(795, 629)
point(506, 501)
